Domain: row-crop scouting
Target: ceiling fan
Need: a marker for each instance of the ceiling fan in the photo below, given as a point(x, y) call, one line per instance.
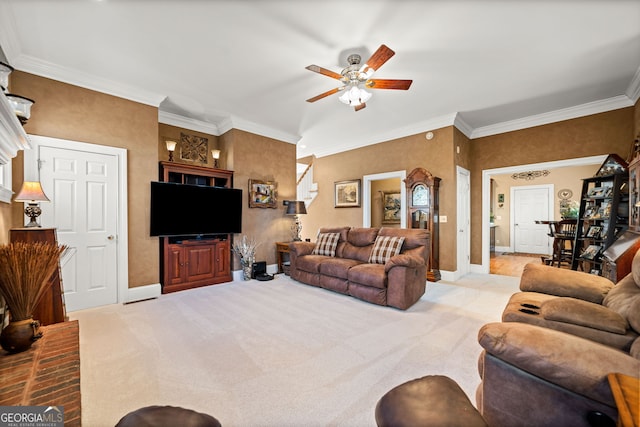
point(355, 78)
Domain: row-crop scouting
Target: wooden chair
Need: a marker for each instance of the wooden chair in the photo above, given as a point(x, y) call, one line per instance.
point(564, 233)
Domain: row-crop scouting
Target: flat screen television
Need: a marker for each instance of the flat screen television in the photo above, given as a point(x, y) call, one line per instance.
point(192, 210)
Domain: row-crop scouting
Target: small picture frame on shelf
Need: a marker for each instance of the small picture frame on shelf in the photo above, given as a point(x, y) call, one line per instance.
point(604, 211)
point(608, 192)
point(597, 192)
point(590, 211)
point(591, 252)
point(594, 231)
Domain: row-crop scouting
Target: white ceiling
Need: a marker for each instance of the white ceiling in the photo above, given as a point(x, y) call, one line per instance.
point(487, 66)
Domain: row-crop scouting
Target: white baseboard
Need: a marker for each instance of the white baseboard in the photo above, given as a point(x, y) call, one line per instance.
point(503, 249)
point(140, 293)
point(476, 268)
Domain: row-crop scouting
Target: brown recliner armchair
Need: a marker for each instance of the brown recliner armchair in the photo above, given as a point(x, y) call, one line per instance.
point(531, 376)
point(540, 377)
point(579, 303)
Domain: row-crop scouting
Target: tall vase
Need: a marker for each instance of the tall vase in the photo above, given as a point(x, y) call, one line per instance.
point(20, 335)
point(246, 271)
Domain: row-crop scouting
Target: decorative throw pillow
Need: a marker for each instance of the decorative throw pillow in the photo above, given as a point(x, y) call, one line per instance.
point(384, 248)
point(326, 244)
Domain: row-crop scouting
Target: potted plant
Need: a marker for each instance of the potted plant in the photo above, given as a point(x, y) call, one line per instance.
point(25, 269)
point(246, 250)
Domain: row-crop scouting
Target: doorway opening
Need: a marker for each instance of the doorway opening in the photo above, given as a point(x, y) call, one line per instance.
point(371, 194)
point(488, 174)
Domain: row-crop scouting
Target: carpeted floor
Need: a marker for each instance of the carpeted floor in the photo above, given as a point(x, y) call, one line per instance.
point(279, 353)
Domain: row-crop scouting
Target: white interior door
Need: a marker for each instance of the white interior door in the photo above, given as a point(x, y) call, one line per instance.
point(531, 204)
point(83, 188)
point(463, 215)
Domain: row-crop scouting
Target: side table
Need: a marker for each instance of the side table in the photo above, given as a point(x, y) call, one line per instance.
point(626, 392)
point(282, 254)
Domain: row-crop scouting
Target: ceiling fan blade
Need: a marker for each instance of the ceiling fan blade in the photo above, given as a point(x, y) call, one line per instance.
point(325, 94)
point(388, 84)
point(359, 107)
point(324, 71)
point(378, 58)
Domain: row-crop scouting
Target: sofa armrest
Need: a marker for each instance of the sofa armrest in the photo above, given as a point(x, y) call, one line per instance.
point(301, 248)
point(584, 313)
point(565, 360)
point(564, 283)
point(402, 260)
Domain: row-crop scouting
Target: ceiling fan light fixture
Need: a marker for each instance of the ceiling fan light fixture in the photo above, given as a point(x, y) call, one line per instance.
point(355, 96)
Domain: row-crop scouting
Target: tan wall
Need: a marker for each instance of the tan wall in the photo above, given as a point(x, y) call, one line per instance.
point(253, 156)
point(70, 112)
point(436, 156)
point(561, 178)
point(604, 133)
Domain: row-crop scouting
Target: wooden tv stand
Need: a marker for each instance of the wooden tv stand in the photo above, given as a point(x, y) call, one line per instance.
point(195, 262)
point(186, 261)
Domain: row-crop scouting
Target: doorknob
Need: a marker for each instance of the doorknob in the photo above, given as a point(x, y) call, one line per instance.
point(111, 237)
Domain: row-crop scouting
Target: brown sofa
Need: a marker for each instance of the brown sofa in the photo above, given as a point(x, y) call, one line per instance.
point(398, 282)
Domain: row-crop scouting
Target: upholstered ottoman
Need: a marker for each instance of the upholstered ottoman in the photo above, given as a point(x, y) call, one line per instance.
point(167, 416)
point(428, 401)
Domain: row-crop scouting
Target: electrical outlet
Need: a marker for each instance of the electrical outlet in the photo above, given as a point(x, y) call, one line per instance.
point(443, 218)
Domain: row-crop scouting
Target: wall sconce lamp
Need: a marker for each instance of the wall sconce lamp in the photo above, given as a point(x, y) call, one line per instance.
point(20, 104)
point(31, 193)
point(295, 208)
point(216, 155)
point(171, 147)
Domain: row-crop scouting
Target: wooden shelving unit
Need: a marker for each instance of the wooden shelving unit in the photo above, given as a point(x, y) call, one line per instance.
point(603, 215)
point(187, 262)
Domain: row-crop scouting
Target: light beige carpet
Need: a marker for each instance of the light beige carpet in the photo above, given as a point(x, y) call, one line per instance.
point(279, 353)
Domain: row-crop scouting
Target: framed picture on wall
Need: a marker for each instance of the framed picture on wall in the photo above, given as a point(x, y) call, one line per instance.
point(262, 194)
point(391, 208)
point(347, 194)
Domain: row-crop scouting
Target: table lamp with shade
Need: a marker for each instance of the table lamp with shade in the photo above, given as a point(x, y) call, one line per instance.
point(31, 194)
point(296, 208)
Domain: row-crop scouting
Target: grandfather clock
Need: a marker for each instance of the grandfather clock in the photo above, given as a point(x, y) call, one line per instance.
point(422, 212)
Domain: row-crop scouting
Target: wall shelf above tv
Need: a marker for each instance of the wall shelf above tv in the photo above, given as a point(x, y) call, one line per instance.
point(197, 175)
point(190, 262)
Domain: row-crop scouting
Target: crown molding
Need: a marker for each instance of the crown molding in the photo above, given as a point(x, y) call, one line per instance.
point(413, 129)
point(188, 123)
point(633, 91)
point(248, 126)
point(12, 135)
point(53, 71)
point(582, 110)
point(463, 126)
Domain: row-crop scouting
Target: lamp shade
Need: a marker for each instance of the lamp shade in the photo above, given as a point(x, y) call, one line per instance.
point(31, 192)
point(295, 207)
point(215, 154)
point(171, 145)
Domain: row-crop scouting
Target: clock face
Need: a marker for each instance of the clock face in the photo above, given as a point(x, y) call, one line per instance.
point(420, 196)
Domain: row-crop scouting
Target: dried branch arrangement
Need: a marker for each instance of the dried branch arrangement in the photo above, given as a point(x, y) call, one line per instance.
point(25, 269)
point(246, 250)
